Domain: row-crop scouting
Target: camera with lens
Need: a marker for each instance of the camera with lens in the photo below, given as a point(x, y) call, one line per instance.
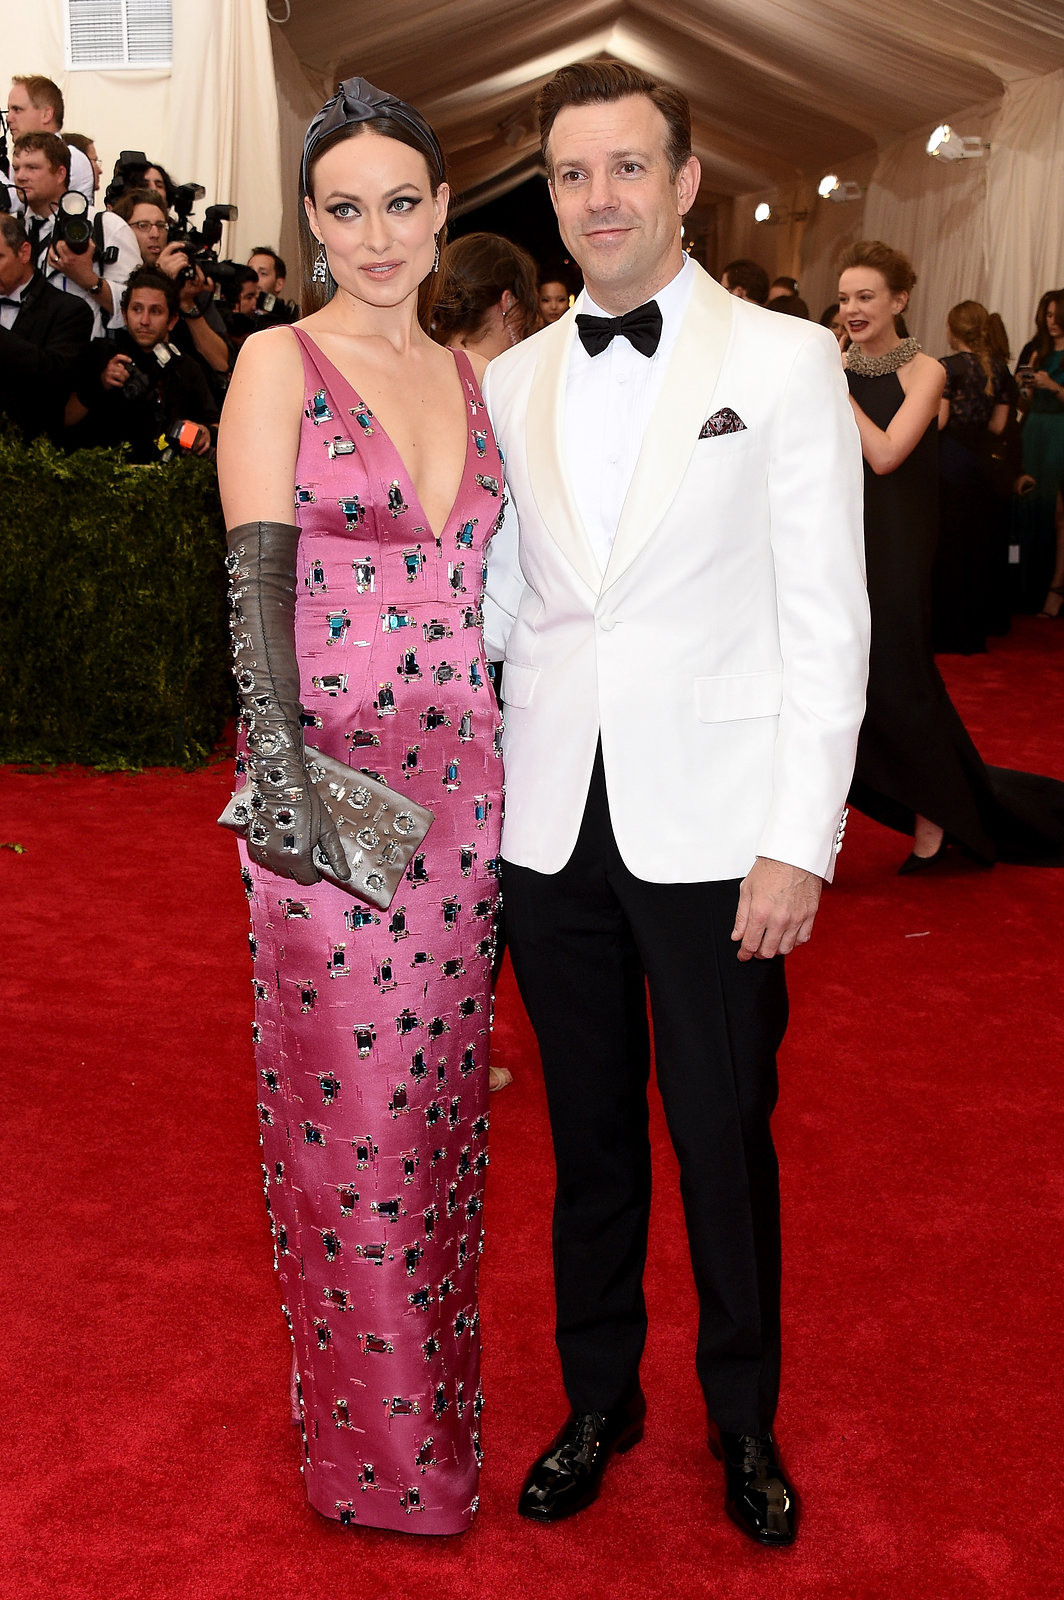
point(129, 172)
point(200, 244)
point(72, 223)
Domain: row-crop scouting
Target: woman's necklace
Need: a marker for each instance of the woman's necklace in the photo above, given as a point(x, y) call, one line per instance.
point(879, 366)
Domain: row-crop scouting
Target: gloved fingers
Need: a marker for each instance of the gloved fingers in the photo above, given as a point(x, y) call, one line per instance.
point(329, 842)
point(297, 867)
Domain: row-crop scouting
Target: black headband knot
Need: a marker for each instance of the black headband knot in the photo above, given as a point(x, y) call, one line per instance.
point(358, 101)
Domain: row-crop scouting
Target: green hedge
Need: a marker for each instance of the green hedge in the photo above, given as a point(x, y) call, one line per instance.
point(113, 636)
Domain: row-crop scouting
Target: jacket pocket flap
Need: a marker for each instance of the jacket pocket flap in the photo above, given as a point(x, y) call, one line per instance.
point(743, 694)
point(518, 682)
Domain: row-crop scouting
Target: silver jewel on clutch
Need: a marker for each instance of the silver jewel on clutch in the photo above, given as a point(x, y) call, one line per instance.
point(389, 830)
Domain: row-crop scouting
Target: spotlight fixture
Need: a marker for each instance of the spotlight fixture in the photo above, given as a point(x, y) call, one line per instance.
point(772, 214)
point(829, 188)
point(945, 145)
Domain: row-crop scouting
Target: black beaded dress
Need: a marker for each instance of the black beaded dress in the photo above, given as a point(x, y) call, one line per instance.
point(914, 756)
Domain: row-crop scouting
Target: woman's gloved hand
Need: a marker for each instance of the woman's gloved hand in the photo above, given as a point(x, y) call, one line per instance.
point(288, 818)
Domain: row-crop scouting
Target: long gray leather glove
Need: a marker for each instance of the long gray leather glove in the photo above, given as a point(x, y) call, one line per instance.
point(288, 817)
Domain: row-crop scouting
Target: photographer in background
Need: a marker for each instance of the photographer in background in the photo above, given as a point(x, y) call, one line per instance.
point(86, 253)
point(239, 289)
point(44, 334)
point(139, 389)
point(200, 332)
point(145, 211)
point(270, 269)
point(82, 142)
point(35, 105)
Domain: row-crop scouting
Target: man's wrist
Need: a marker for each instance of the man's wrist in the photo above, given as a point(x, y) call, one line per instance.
point(191, 313)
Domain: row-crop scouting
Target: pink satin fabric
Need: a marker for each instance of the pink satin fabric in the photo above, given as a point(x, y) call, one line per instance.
point(372, 1027)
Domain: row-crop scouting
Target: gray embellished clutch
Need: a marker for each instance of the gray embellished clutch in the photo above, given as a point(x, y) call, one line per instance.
point(379, 830)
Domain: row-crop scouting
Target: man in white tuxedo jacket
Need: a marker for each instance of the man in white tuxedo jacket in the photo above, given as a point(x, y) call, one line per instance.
point(678, 591)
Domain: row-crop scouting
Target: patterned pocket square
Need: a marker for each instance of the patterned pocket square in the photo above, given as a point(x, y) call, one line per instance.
point(726, 421)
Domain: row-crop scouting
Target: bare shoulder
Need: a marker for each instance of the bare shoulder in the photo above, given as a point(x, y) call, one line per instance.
point(258, 439)
point(922, 375)
point(270, 356)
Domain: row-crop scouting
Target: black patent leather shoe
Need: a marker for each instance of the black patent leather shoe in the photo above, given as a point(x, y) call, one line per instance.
point(566, 1477)
point(757, 1495)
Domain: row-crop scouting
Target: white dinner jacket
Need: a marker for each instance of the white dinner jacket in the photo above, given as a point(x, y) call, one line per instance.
point(722, 656)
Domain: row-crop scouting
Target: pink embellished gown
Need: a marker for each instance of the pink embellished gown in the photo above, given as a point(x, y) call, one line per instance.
point(371, 1028)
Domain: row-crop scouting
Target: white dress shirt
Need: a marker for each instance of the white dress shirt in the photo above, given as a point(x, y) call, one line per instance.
point(8, 313)
point(608, 402)
point(116, 232)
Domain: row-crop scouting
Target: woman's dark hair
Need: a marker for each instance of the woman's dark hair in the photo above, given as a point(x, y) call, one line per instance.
point(588, 83)
point(475, 272)
point(828, 315)
point(1043, 343)
point(315, 295)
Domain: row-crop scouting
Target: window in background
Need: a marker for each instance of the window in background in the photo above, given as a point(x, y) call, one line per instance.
point(119, 33)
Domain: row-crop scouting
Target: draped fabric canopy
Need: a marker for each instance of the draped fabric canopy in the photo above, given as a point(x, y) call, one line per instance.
point(778, 88)
point(782, 91)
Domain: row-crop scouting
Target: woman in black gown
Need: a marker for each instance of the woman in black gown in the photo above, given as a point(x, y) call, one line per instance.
point(917, 770)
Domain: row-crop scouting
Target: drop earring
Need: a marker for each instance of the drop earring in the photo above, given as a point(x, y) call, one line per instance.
point(436, 257)
point(321, 266)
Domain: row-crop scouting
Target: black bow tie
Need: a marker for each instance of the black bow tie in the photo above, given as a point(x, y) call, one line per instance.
point(10, 302)
point(641, 327)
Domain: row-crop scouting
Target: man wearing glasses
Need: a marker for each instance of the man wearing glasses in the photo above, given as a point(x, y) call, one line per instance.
point(201, 331)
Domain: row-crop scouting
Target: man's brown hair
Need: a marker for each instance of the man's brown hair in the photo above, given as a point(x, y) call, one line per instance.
point(43, 92)
point(54, 151)
point(126, 204)
point(586, 83)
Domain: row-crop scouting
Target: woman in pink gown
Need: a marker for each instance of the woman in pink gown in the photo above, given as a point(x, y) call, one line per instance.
point(359, 625)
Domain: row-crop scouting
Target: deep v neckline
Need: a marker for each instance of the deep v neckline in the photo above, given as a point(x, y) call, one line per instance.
point(317, 354)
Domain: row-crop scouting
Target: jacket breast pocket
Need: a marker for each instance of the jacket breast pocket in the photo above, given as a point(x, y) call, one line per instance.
point(739, 695)
point(518, 684)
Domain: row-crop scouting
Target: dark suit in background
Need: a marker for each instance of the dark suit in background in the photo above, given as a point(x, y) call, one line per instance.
point(39, 357)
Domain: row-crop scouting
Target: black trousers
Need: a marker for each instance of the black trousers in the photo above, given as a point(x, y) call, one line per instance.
point(586, 944)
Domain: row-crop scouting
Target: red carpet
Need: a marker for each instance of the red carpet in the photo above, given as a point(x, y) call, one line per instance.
point(148, 1453)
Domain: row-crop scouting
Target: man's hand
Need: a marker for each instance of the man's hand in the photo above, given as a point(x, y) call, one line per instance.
point(116, 372)
point(202, 441)
point(192, 288)
point(777, 905)
point(172, 257)
point(80, 269)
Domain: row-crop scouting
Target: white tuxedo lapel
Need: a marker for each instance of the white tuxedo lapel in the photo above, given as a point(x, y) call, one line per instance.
point(547, 474)
point(672, 435)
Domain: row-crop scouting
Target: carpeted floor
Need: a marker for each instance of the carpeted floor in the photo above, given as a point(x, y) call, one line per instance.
point(148, 1453)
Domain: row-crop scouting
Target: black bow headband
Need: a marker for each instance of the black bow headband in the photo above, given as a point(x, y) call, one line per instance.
point(358, 101)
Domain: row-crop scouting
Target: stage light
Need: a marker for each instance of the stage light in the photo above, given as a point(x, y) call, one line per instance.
point(945, 145)
point(830, 188)
point(773, 214)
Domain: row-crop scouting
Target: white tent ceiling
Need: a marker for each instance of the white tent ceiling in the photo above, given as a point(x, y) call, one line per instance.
point(779, 88)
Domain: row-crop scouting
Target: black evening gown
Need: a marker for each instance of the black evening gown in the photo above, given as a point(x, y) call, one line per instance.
point(914, 755)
